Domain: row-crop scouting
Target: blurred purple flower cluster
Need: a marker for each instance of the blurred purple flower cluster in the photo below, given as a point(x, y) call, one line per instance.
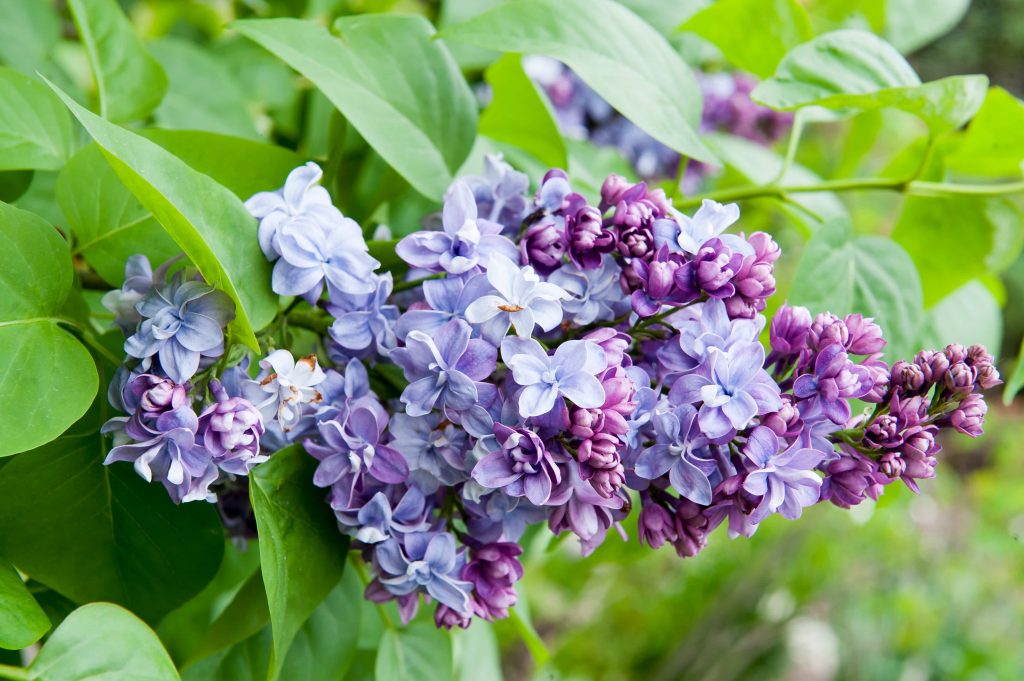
point(545, 361)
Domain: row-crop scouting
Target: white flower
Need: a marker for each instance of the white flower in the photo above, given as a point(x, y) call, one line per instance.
point(520, 299)
point(284, 387)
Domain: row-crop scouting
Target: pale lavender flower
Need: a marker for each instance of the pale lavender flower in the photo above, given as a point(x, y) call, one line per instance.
point(682, 233)
point(594, 295)
point(682, 452)
point(377, 521)
point(570, 373)
point(520, 299)
point(428, 562)
point(442, 369)
point(284, 387)
point(701, 327)
point(443, 300)
point(138, 281)
point(313, 251)
point(834, 382)
point(436, 453)
point(230, 430)
point(786, 479)
point(501, 193)
point(364, 320)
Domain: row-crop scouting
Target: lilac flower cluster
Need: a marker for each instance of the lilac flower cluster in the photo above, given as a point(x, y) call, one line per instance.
point(546, 360)
point(582, 113)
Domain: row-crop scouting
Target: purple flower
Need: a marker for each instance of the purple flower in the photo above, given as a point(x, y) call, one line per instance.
point(313, 251)
point(543, 245)
point(969, 416)
point(701, 327)
point(493, 569)
point(865, 336)
point(589, 239)
point(139, 279)
point(786, 479)
point(580, 509)
point(594, 295)
point(376, 521)
point(655, 283)
point(711, 270)
point(430, 563)
point(789, 329)
point(570, 373)
point(435, 449)
point(284, 387)
point(501, 193)
point(441, 369)
point(466, 242)
point(520, 299)
point(443, 300)
point(362, 320)
point(683, 234)
point(230, 430)
point(754, 281)
point(182, 323)
point(733, 387)
point(682, 452)
point(521, 467)
point(835, 381)
point(655, 524)
point(850, 479)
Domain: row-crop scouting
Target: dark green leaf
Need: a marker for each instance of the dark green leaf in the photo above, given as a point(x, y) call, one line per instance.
point(301, 551)
point(14, 183)
point(397, 85)
point(130, 83)
point(626, 61)
point(754, 35)
point(420, 651)
point(842, 273)
point(95, 532)
point(103, 641)
point(22, 621)
point(49, 379)
point(36, 128)
point(209, 222)
point(244, 616)
point(518, 115)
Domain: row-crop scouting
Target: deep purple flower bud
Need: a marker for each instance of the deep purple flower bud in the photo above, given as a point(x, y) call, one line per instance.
point(493, 570)
point(585, 423)
point(892, 465)
point(446, 618)
point(851, 479)
point(933, 365)
point(955, 352)
point(789, 329)
point(155, 395)
point(600, 451)
point(755, 279)
point(230, 429)
point(543, 245)
point(711, 270)
point(918, 453)
point(827, 329)
point(884, 432)
point(969, 417)
point(612, 189)
point(988, 376)
point(614, 343)
point(588, 238)
point(960, 378)
point(879, 372)
point(691, 526)
point(907, 377)
point(911, 411)
point(605, 481)
point(865, 336)
point(984, 364)
point(655, 525)
point(785, 422)
point(636, 242)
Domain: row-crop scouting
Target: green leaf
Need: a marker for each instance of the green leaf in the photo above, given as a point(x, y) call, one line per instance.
point(476, 654)
point(518, 114)
point(22, 621)
point(754, 35)
point(953, 240)
point(49, 378)
point(993, 144)
point(384, 251)
point(129, 81)
point(206, 220)
point(851, 69)
point(622, 58)
point(14, 183)
point(28, 33)
point(842, 273)
point(420, 651)
point(103, 641)
point(244, 616)
point(968, 315)
point(301, 551)
point(203, 93)
point(95, 532)
point(912, 24)
point(36, 128)
point(1016, 380)
point(397, 85)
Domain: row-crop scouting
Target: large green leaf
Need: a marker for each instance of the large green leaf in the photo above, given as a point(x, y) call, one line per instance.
point(49, 379)
point(476, 654)
point(130, 83)
point(209, 222)
point(22, 621)
point(842, 273)
point(851, 69)
point(95, 532)
point(956, 239)
point(518, 115)
point(28, 33)
point(1015, 381)
point(993, 145)
point(397, 85)
point(754, 35)
point(420, 651)
point(101, 641)
point(302, 554)
point(110, 224)
point(968, 315)
point(36, 128)
point(620, 56)
point(912, 24)
point(203, 93)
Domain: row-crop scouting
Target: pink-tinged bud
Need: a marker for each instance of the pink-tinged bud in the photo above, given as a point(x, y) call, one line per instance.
point(879, 372)
point(969, 417)
point(955, 352)
point(691, 526)
point(960, 378)
point(827, 329)
point(865, 337)
point(786, 421)
point(907, 377)
point(892, 465)
point(789, 329)
point(655, 525)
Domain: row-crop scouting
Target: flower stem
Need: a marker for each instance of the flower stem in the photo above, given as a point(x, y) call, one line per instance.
point(13, 673)
point(313, 320)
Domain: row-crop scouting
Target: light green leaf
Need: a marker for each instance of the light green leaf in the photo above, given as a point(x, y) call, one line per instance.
point(203, 93)
point(754, 35)
point(850, 69)
point(912, 24)
point(967, 316)
point(420, 651)
point(103, 641)
point(49, 378)
point(28, 33)
point(129, 81)
point(206, 220)
point(842, 273)
point(36, 128)
point(953, 240)
point(396, 84)
point(519, 115)
point(93, 532)
point(301, 551)
point(476, 654)
point(622, 58)
point(993, 145)
point(1016, 380)
point(22, 621)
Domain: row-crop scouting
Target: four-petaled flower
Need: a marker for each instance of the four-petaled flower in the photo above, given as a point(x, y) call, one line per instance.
point(571, 372)
point(429, 562)
point(520, 299)
point(682, 452)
